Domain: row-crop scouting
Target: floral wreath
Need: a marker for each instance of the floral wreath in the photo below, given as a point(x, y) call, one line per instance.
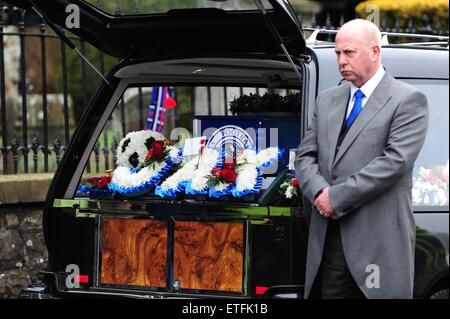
point(243, 176)
point(237, 178)
point(134, 147)
point(249, 180)
point(289, 187)
point(190, 178)
point(217, 176)
point(145, 159)
point(96, 186)
point(151, 160)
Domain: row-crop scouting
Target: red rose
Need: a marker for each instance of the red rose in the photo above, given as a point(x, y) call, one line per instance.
point(294, 182)
point(103, 181)
point(158, 150)
point(228, 175)
point(100, 182)
point(149, 155)
point(93, 180)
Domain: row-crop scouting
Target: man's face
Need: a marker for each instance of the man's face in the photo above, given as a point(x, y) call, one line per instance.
point(355, 58)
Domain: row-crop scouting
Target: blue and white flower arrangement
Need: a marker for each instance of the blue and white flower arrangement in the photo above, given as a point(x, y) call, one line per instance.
point(191, 178)
point(244, 176)
point(145, 159)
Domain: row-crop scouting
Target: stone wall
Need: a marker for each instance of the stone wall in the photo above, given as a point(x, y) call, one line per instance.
point(22, 249)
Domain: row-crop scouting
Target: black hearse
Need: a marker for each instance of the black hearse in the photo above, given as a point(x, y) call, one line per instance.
point(225, 63)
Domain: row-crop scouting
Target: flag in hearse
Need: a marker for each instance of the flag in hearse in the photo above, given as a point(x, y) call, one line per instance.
point(162, 99)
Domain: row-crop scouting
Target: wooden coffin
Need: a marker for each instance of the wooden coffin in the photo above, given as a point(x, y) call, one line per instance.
point(209, 255)
point(134, 252)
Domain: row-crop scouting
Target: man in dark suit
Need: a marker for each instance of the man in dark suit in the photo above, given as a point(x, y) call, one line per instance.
point(355, 166)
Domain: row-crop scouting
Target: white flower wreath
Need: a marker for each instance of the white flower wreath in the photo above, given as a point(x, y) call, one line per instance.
point(126, 177)
point(132, 177)
point(193, 176)
point(135, 143)
point(208, 161)
point(193, 172)
point(267, 157)
point(248, 169)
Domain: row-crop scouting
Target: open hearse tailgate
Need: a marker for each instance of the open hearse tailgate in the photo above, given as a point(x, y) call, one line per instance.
point(177, 31)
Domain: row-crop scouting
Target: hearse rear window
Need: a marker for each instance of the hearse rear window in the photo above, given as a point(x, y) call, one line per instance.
point(150, 123)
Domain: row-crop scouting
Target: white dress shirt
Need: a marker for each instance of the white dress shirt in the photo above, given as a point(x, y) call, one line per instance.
point(367, 89)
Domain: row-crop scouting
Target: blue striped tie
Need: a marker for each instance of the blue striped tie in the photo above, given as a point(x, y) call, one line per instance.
point(357, 107)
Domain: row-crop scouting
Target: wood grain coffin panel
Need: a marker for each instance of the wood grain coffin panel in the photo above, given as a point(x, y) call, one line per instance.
point(209, 255)
point(134, 252)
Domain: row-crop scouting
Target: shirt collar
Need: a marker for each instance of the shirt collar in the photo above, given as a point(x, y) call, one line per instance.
point(370, 85)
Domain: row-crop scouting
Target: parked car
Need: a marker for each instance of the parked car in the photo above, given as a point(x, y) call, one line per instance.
point(199, 246)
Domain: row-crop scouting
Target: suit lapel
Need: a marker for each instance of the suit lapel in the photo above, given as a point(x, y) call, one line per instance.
point(376, 102)
point(335, 118)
